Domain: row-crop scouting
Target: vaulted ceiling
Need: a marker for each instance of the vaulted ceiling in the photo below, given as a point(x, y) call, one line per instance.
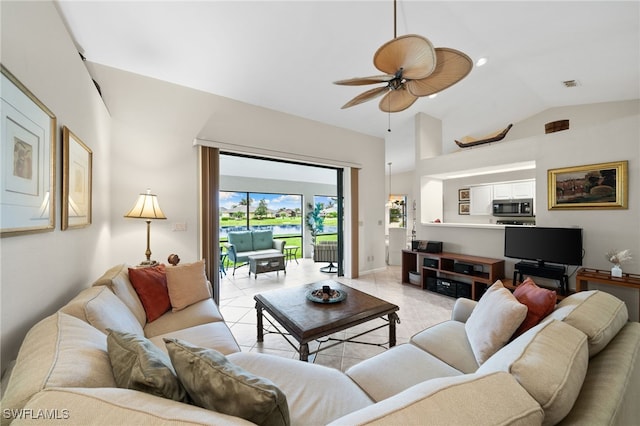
point(284, 55)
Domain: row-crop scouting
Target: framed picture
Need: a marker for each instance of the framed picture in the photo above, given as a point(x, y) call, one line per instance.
point(595, 186)
point(28, 179)
point(77, 164)
point(464, 194)
point(463, 208)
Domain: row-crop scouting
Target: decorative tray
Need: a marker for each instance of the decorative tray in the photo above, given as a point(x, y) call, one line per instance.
point(321, 295)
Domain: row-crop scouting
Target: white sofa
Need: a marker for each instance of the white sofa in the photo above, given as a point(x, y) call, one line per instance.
point(546, 376)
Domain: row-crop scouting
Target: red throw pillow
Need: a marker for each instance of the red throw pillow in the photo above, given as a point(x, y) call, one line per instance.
point(540, 302)
point(151, 286)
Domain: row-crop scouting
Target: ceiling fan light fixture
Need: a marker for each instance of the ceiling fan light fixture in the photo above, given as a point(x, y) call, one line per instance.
point(482, 61)
point(413, 68)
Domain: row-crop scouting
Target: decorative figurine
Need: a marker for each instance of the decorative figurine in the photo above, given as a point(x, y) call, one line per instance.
point(173, 259)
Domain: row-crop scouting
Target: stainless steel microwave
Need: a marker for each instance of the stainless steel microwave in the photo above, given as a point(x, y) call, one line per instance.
point(521, 207)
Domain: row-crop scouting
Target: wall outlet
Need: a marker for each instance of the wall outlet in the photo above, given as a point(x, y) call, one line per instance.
point(179, 226)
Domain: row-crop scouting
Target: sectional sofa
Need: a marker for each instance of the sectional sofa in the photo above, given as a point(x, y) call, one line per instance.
point(580, 364)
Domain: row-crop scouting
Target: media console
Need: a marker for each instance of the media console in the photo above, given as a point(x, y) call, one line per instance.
point(552, 272)
point(452, 274)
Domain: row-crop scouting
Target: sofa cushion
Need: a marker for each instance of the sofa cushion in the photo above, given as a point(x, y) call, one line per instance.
point(140, 365)
point(386, 374)
point(215, 383)
point(598, 314)
point(540, 302)
point(316, 394)
point(102, 309)
point(115, 406)
point(214, 335)
point(550, 361)
point(610, 392)
point(241, 240)
point(202, 312)
point(187, 284)
point(493, 321)
point(117, 279)
point(470, 399)
point(448, 341)
point(262, 240)
point(59, 351)
point(151, 286)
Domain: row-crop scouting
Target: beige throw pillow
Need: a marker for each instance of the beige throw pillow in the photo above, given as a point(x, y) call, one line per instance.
point(140, 365)
point(550, 361)
point(187, 284)
point(597, 314)
point(213, 382)
point(493, 321)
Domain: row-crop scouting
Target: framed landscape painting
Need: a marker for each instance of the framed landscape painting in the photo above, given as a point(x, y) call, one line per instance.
point(28, 143)
point(594, 186)
point(76, 181)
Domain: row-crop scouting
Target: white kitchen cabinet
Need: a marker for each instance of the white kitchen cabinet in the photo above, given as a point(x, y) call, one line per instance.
point(502, 191)
point(514, 190)
point(481, 200)
point(525, 189)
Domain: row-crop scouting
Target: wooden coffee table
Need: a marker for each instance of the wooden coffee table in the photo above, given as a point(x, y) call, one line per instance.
point(306, 321)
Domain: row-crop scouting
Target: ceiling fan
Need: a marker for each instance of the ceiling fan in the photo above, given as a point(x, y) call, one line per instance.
point(413, 68)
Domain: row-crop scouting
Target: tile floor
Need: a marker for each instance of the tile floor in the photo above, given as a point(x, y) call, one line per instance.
point(418, 310)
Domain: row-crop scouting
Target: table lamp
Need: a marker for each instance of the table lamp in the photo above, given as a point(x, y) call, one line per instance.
point(147, 208)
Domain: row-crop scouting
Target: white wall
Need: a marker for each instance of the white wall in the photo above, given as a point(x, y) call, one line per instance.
point(154, 126)
point(598, 133)
point(40, 272)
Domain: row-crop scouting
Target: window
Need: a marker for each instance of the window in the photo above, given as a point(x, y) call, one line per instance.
point(281, 213)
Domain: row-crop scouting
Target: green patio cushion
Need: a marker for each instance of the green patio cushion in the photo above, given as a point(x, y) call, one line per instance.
point(262, 240)
point(241, 240)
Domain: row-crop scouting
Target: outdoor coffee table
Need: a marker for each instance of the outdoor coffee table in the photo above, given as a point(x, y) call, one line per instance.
point(261, 263)
point(305, 320)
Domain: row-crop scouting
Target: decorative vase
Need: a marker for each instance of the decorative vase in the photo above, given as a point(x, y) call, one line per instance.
point(616, 271)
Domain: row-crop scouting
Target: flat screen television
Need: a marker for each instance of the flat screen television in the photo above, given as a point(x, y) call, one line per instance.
point(553, 245)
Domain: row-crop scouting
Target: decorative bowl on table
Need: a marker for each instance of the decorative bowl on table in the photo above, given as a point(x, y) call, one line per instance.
point(326, 295)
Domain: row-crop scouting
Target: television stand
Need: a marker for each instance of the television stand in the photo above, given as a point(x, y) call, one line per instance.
point(557, 273)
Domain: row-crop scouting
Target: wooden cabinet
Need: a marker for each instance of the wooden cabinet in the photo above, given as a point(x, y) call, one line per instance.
point(586, 275)
point(481, 198)
point(453, 274)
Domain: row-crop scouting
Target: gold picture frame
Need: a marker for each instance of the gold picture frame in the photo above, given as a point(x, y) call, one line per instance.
point(464, 208)
point(464, 194)
point(77, 170)
point(594, 186)
point(28, 178)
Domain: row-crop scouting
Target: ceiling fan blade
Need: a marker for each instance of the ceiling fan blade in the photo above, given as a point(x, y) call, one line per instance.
point(451, 67)
point(361, 81)
point(413, 53)
point(397, 100)
point(366, 96)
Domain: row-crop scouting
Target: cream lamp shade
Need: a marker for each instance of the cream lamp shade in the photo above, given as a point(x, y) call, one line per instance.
point(147, 208)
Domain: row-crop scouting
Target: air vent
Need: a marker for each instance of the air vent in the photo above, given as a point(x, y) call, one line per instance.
point(571, 83)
